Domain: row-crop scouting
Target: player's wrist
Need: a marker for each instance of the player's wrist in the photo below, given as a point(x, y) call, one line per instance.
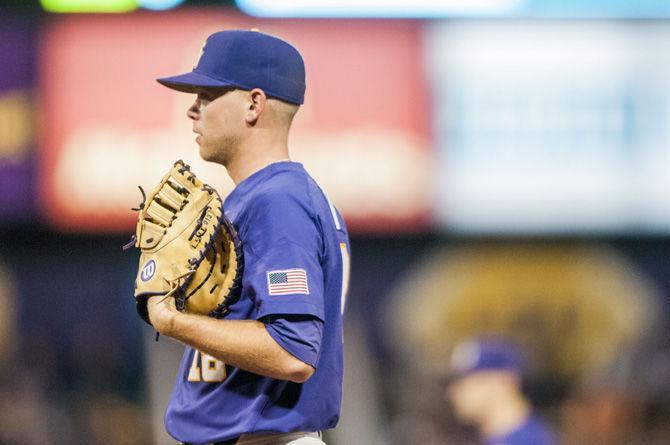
point(166, 324)
point(161, 314)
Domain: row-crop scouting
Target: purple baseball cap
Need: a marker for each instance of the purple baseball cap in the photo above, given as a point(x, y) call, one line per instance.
point(246, 60)
point(485, 354)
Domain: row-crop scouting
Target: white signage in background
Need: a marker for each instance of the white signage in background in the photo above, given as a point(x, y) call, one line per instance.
point(376, 8)
point(551, 127)
point(431, 9)
point(369, 173)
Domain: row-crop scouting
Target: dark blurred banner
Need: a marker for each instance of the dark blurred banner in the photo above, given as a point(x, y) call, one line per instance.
point(17, 135)
point(108, 126)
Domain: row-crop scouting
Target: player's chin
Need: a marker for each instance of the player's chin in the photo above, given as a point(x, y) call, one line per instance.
point(205, 152)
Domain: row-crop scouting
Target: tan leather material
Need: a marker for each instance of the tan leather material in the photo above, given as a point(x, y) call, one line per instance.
point(213, 283)
point(188, 248)
point(170, 197)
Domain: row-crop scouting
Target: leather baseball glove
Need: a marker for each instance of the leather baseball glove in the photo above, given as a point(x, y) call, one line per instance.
point(189, 249)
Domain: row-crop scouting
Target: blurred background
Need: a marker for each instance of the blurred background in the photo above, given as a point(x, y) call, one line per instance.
point(502, 164)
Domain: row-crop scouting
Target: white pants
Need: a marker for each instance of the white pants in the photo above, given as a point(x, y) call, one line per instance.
point(281, 439)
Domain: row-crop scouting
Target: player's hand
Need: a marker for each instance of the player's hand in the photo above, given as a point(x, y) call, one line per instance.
point(162, 312)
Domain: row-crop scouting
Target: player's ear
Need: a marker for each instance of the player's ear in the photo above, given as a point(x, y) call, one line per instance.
point(256, 102)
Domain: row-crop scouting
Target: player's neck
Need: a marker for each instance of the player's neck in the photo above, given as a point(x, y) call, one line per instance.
point(255, 155)
point(505, 416)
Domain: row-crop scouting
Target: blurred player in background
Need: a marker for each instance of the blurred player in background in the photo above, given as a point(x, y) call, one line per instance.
point(271, 371)
point(485, 390)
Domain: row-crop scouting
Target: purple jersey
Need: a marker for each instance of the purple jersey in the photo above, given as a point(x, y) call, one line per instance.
point(296, 253)
point(534, 431)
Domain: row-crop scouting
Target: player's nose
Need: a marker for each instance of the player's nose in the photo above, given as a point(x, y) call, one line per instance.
point(194, 110)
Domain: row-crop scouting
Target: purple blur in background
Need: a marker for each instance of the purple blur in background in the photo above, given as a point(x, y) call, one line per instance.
point(17, 83)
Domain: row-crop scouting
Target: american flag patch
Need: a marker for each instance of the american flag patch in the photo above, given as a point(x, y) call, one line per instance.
point(286, 282)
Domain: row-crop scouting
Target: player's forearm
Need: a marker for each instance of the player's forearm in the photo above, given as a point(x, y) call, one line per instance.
point(244, 344)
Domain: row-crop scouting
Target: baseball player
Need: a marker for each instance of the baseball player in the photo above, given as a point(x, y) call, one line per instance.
point(270, 372)
point(485, 390)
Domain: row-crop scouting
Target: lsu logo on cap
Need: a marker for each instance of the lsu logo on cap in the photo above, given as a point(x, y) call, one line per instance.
point(202, 51)
point(148, 270)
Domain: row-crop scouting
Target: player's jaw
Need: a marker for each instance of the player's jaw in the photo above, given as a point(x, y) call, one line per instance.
point(217, 147)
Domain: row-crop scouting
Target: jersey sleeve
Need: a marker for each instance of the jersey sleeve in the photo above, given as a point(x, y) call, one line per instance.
point(299, 335)
point(283, 249)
